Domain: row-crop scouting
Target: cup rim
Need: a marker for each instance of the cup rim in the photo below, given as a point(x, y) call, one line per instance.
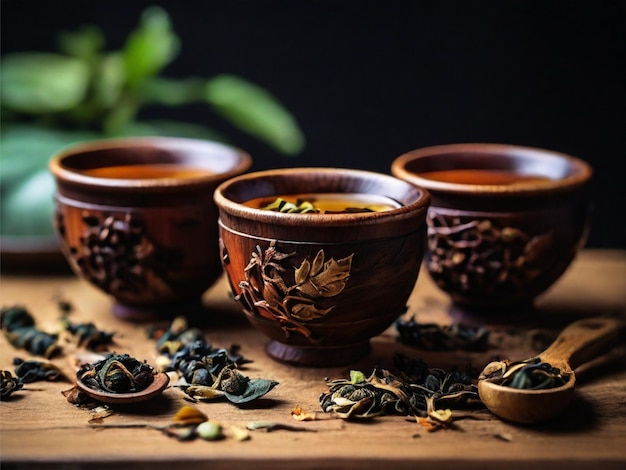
point(65, 174)
point(238, 209)
point(579, 175)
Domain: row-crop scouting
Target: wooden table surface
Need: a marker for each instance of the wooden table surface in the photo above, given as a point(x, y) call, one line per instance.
point(39, 428)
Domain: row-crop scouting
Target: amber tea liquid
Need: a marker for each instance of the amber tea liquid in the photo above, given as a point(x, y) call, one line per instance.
point(482, 177)
point(331, 202)
point(151, 171)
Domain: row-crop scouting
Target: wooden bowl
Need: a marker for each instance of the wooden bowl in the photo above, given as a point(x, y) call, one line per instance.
point(505, 221)
point(136, 218)
point(321, 285)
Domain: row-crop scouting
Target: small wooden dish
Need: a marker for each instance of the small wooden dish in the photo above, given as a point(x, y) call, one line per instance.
point(160, 383)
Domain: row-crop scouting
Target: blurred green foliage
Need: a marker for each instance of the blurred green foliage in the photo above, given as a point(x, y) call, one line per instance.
point(83, 92)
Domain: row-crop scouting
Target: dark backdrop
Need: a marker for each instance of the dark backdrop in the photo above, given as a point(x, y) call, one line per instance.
point(370, 80)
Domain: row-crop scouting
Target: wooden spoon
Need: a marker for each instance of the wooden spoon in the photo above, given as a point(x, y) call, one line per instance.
point(578, 343)
point(161, 380)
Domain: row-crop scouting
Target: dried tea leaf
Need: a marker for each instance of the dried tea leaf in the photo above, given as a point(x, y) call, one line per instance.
point(19, 327)
point(443, 416)
point(99, 413)
point(434, 337)
point(203, 392)
point(189, 415)
point(9, 384)
point(32, 370)
point(88, 336)
point(299, 414)
point(182, 433)
point(270, 426)
point(76, 396)
point(235, 432)
point(255, 388)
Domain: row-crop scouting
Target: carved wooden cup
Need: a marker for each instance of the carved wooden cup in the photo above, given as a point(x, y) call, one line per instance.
point(136, 218)
point(321, 285)
point(505, 221)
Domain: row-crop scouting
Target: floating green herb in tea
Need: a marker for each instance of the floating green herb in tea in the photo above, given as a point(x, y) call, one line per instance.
point(206, 372)
point(33, 371)
point(19, 327)
point(9, 384)
point(119, 373)
point(414, 390)
point(434, 337)
point(531, 374)
point(324, 203)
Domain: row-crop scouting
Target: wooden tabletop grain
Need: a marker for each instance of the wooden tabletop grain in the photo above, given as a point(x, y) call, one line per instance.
point(40, 429)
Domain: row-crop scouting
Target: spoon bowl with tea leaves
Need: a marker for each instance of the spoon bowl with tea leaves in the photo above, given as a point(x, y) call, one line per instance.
point(121, 379)
point(540, 388)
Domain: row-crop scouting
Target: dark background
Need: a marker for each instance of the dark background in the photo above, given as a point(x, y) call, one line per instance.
point(370, 80)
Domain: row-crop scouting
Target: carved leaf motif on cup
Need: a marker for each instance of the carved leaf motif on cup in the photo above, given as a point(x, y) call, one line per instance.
point(116, 254)
point(277, 289)
point(481, 255)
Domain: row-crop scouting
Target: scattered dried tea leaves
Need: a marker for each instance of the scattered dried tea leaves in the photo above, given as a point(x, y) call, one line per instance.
point(531, 374)
point(190, 423)
point(19, 327)
point(76, 396)
point(87, 335)
point(189, 415)
point(9, 384)
point(33, 370)
point(99, 413)
point(119, 373)
point(414, 390)
point(299, 414)
point(270, 426)
point(207, 373)
point(434, 337)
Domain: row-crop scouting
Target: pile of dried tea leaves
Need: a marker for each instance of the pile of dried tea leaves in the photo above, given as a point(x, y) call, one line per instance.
point(435, 337)
point(19, 327)
point(414, 390)
point(87, 335)
point(207, 372)
point(32, 370)
point(118, 373)
point(531, 374)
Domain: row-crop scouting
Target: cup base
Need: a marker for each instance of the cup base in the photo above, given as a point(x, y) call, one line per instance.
point(317, 356)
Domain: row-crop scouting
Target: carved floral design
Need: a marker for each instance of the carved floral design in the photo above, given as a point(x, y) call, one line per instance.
point(276, 289)
point(116, 254)
point(481, 256)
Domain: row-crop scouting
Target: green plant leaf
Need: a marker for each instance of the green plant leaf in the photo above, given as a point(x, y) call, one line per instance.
point(255, 389)
point(26, 148)
point(27, 187)
point(173, 92)
point(84, 43)
point(108, 83)
point(40, 83)
point(255, 111)
point(150, 47)
point(28, 209)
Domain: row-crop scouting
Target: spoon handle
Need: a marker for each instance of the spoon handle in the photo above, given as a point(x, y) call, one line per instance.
point(582, 341)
